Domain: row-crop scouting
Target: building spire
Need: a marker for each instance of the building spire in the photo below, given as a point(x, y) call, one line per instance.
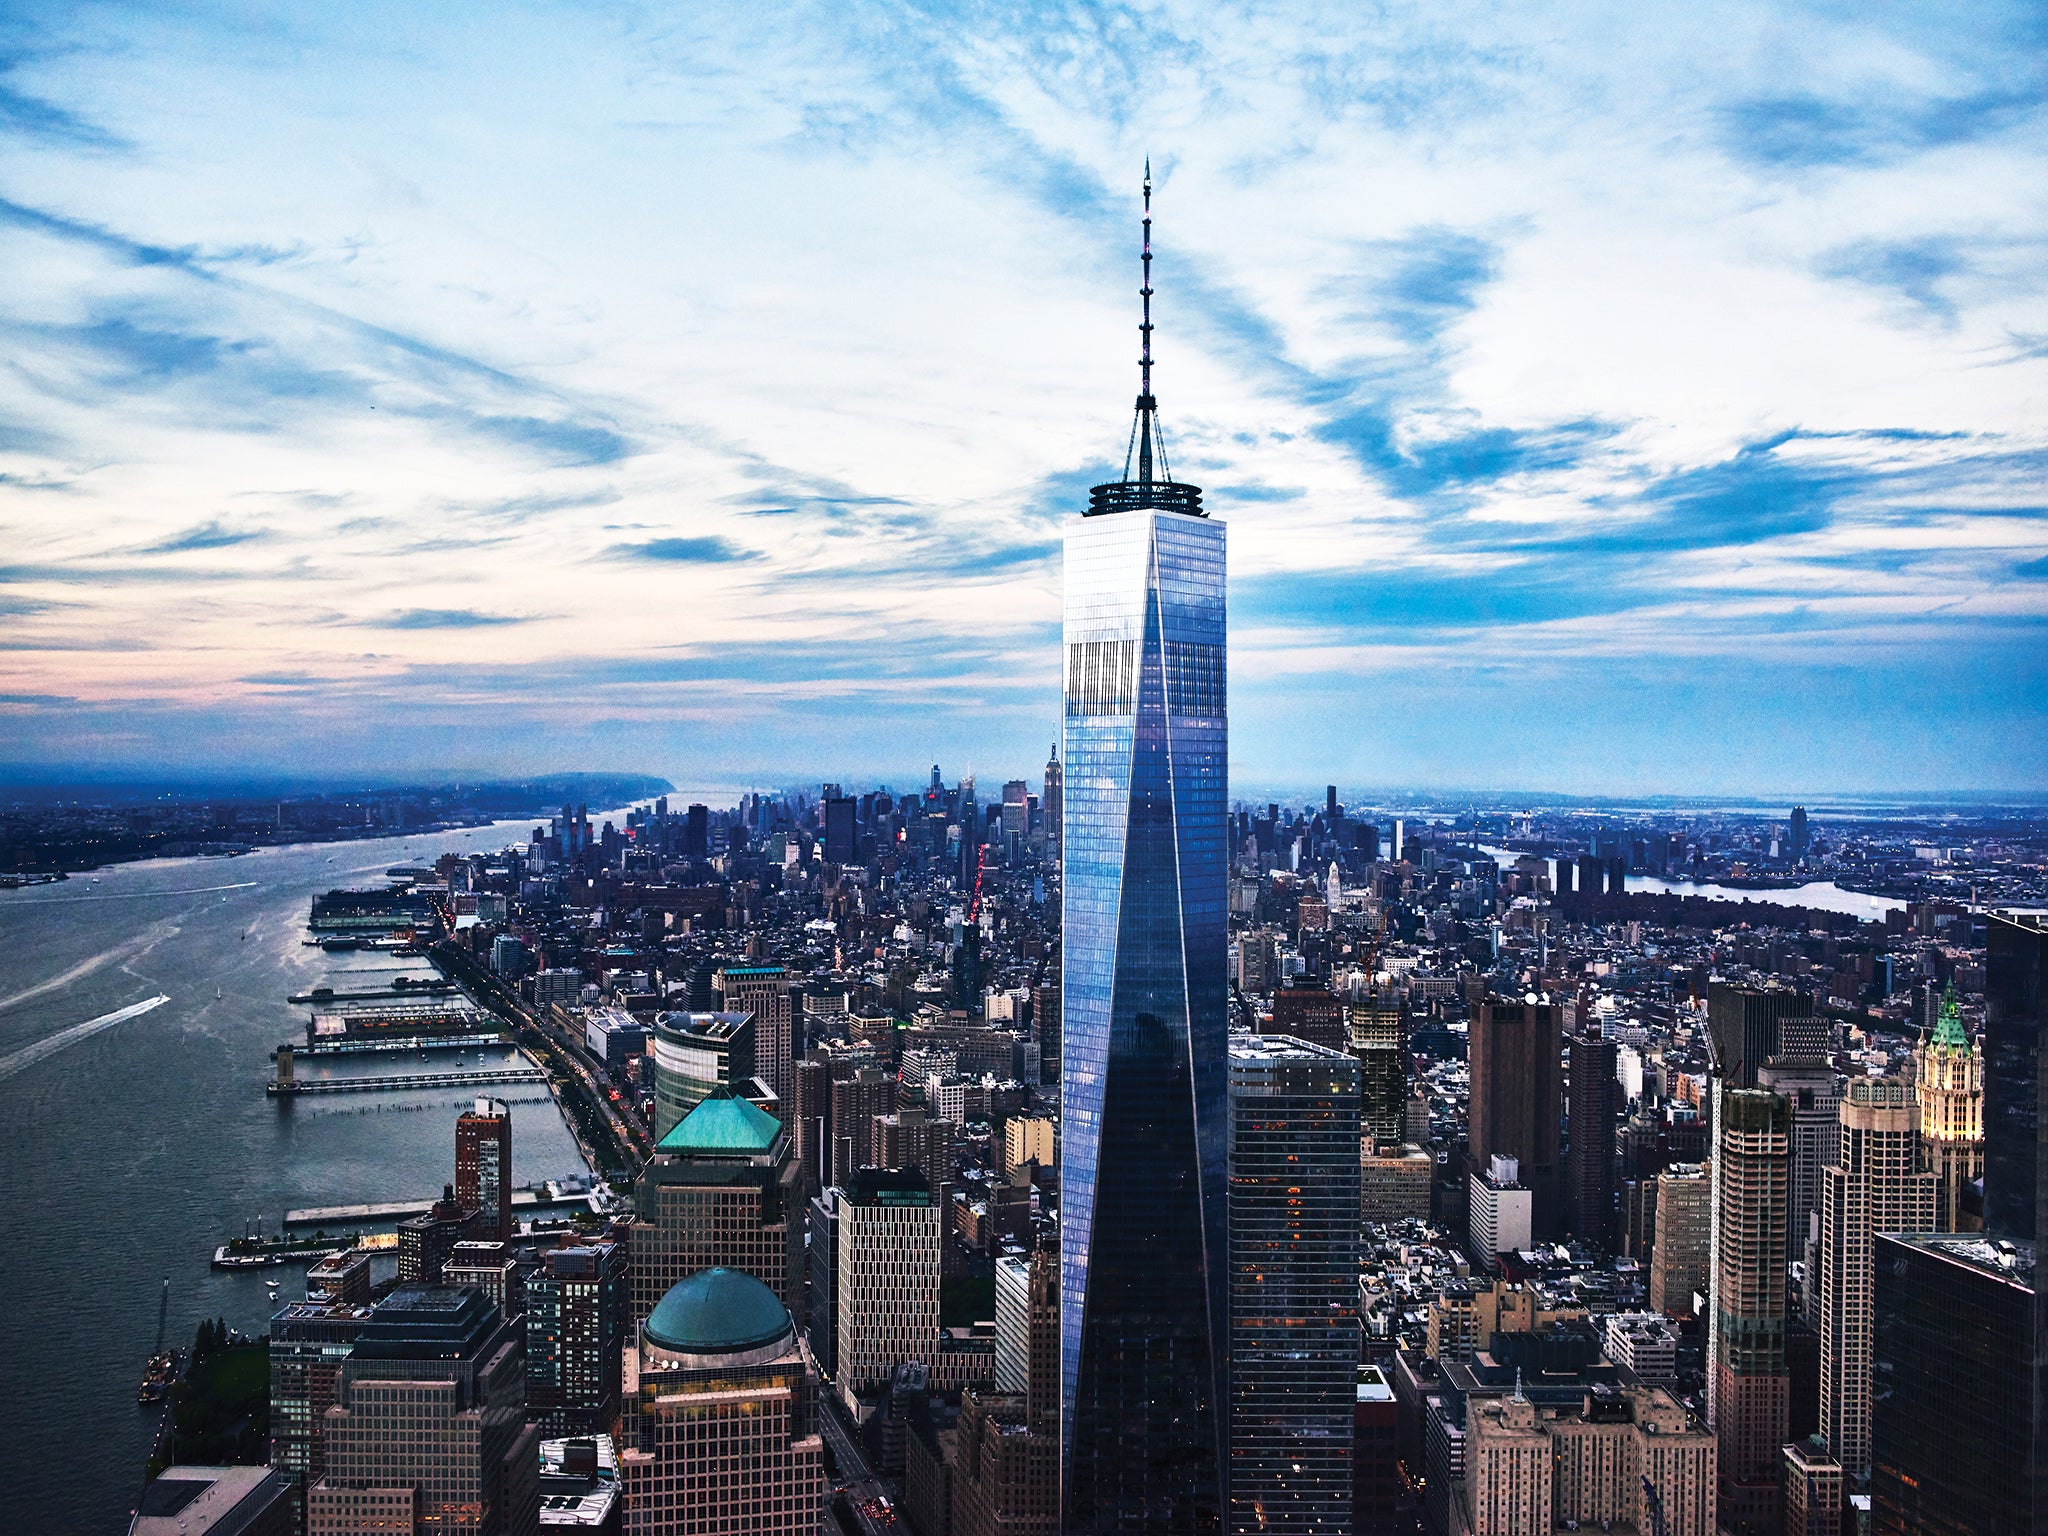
point(1146, 403)
point(1948, 1024)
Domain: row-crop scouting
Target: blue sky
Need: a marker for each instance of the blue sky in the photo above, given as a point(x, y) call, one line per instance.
point(1625, 398)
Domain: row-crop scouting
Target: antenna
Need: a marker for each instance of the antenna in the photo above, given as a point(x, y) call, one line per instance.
point(1146, 404)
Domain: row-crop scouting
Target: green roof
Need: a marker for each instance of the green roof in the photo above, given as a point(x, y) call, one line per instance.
point(723, 1123)
point(1948, 1024)
point(716, 1312)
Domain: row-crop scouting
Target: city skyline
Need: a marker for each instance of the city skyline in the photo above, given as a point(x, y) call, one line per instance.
point(1658, 396)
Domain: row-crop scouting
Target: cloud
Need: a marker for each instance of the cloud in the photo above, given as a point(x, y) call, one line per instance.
point(212, 534)
point(446, 618)
point(1803, 130)
point(709, 550)
point(1914, 270)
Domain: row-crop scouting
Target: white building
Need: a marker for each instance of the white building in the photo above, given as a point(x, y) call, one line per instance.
point(1502, 1211)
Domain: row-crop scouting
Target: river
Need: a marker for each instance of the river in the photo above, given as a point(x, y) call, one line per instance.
point(136, 1137)
point(1821, 895)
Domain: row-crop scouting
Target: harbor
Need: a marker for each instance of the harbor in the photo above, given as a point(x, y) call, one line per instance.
point(295, 1087)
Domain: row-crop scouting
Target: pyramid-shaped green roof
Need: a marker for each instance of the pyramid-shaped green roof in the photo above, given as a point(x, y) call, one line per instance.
point(1948, 1024)
point(723, 1123)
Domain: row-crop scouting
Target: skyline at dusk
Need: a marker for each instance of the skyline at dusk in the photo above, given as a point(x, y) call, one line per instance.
point(1604, 402)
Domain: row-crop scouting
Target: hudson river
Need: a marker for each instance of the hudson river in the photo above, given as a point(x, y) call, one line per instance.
point(135, 1141)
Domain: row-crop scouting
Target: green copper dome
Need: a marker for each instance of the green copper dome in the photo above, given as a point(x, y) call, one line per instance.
point(723, 1123)
point(717, 1312)
point(1948, 1024)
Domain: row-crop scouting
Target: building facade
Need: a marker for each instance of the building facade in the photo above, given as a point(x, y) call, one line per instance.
point(576, 1326)
point(887, 1286)
point(483, 1166)
point(763, 992)
point(1948, 1085)
point(1515, 1048)
point(696, 1055)
point(1594, 1107)
point(1294, 1137)
point(1749, 1384)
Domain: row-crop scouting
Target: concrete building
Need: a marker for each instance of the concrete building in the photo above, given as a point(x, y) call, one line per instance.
point(1874, 1187)
point(1029, 1139)
point(1500, 1212)
point(762, 991)
point(428, 1427)
point(1464, 1319)
point(215, 1501)
point(1393, 1183)
point(1643, 1342)
point(856, 1102)
point(340, 1278)
point(695, 1055)
point(1533, 1469)
point(1813, 1489)
point(1305, 1009)
point(1006, 1447)
point(493, 1267)
point(426, 1240)
point(483, 1166)
point(1948, 1086)
point(887, 1283)
point(722, 1191)
point(1515, 1102)
point(719, 1434)
point(1813, 1099)
point(576, 1327)
point(309, 1340)
point(1685, 1218)
point(1294, 1135)
point(1749, 1384)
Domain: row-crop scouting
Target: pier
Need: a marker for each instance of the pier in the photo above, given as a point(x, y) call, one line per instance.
point(296, 1087)
point(359, 1047)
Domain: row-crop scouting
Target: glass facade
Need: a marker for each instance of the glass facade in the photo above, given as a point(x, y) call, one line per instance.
point(1142, 1177)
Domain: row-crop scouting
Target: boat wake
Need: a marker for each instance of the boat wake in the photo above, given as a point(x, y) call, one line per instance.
point(29, 1055)
point(145, 940)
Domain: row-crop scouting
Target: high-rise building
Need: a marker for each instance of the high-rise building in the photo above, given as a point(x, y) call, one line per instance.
point(1515, 1098)
point(492, 1267)
point(1589, 1182)
point(1813, 1489)
point(719, 1436)
point(1293, 1284)
point(1749, 1385)
point(1797, 840)
point(722, 1191)
point(1958, 1436)
point(576, 1327)
point(483, 1166)
point(1948, 1085)
point(1813, 1099)
point(309, 1340)
point(910, 1138)
point(840, 836)
point(2015, 965)
point(857, 1101)
point(1145, 944)
point(1050, 802)
point(1308, 1010)
point(695, 1055)
point(1685, 1223)
point(887, 1301)
point(1751, 1025)
point(428, 1428)
point(696, 833)
point(763, 991)
point(1377, 1039)
point(1006, 1468)
point(426, 1240)
point(1874, 1187)
point(1375, 1452)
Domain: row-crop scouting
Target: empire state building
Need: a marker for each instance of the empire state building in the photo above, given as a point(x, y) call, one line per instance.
point(1144, 1066)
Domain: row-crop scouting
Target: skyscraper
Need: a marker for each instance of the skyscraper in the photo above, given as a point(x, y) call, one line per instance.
point(763, 991)
point(1589, 1159)
point(1874, 1187)
point(576, 1325)
point(1515, 1096)
point(1750, 1025)
point(1051, 803)
point(1749, 1386)
point(1294, 1132)
point(1146, 858)
point(1948, 1084)
point(2016, 964)
point(483, 1166)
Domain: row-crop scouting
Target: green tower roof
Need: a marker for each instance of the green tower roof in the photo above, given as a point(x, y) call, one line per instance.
point(723, 1123)
point(1948, 1024)
point(717, 1312)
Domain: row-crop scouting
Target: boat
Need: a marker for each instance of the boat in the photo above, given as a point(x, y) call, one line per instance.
point(216, 991)
point(157, 1376)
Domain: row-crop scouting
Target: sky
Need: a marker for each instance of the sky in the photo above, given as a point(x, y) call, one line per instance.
point(1601, 398)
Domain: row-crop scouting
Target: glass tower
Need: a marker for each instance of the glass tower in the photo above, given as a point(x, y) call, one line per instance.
point(1143, 1085)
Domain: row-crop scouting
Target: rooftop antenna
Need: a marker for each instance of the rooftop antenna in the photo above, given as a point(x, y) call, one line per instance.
point(1146, 403)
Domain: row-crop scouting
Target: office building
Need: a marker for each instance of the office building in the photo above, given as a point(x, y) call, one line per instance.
point(857, 1102)
point(576, 1326)
point(1595, 1104)
point(722, 1191)
point(1874, 1187)
point(821, 1279)
point(887, 1284)
point(426, 1240)
point(719, 1433)
point(1375, 1453)
point(1748, 1026)
point(1308, 1010)
point(493, 1267)
point(1393, 1184)
point(1499, 1212)
point(1465, 1320)
point(1515, 1102)
point(840, 839)
point(483, 1166)
point(910, 1138)
point(1029, 1140)
point(214, 1501)
point(1814, 1488)
point(1006, 1464)
point(428, 1428)
point(1294, 1136)
point(1144, 991)
point(309, 1340)
point(1948, 1085)
point(2016, 961)
point(1749, 1384)
point(1685, 1220)
point(762, 991)
point(1644, 1342)
point(1616, 1456)
point(695, 1055)
point(342, 1277)
point(1957, 1443)
point(1813, 1100)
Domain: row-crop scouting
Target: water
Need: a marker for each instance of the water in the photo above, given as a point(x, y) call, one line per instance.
point(1821, 895)
point(133, 1147)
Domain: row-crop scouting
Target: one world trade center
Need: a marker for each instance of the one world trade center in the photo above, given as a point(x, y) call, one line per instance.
point(1143, 1081)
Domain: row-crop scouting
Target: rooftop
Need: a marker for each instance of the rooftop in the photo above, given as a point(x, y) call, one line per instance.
point(725, 1124)
point(717, 1312)
point(207, 1501)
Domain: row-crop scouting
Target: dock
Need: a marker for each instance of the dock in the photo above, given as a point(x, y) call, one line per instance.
point(360, 1047)
point(298, 1087)
point(527, 1201)
point(422, 989)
